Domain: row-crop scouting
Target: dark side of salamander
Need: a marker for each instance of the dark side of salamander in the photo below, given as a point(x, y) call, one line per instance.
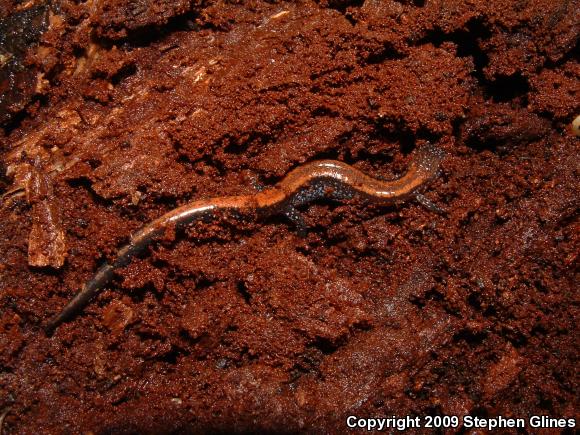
point(306, 184)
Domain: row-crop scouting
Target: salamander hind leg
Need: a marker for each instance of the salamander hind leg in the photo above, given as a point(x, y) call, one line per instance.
point(429, 205)
point(296, 218)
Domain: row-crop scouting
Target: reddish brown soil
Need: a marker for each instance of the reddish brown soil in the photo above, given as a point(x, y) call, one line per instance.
point(238, 325)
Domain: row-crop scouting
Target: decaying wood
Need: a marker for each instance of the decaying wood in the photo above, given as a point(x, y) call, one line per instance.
point(46, 241)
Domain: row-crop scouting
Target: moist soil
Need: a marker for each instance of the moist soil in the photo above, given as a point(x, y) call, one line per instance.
point(126, 109)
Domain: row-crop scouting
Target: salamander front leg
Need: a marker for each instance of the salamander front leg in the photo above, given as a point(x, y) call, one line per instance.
point(429, 205)
point(296, 218)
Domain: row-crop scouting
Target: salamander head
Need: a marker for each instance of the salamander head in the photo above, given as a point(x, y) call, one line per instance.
point(429, 158)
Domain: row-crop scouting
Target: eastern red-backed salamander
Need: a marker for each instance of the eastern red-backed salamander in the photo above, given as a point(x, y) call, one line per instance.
point(309, 182)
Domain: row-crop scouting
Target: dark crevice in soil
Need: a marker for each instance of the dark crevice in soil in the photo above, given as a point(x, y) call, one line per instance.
point(4, 179)
point(388, 52)
point(325, 346)
point(251, 142)
point(153, 33)
point(243, 291)
point(570, 56)
point(467, 42)
point(123, 74)
point(15, 122)
point(139, 294)
point(502, 88)
point(508, 88)
point(19, 33)
point(342, 5)
point(399, 134)
point(472, 338)
point(330, 154)
point(173, 356)
point(417, 3)
point(517, 338)
point(87, 185)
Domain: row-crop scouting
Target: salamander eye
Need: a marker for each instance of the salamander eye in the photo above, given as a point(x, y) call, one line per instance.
point(429, 157)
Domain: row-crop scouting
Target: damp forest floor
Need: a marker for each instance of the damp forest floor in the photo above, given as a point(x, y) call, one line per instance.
point(126, 109)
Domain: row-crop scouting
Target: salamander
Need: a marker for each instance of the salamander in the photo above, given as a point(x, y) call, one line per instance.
point(307, 183)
